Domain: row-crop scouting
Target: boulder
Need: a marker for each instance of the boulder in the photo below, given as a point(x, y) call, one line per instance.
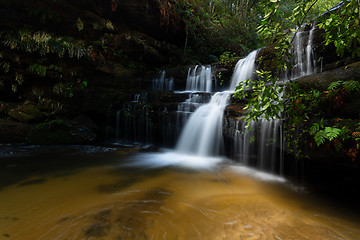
point(80, 130)
point(13, 132)
point(322, 80)
point(26, 113)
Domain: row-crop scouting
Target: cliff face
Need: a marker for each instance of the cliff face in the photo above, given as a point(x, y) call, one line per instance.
point(157, 19)
point(61, 58)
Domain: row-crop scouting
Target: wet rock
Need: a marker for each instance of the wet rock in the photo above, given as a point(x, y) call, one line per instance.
point(322, 80)
point(77, 131)
point(232, 115)
point(13, 132)
point(26, 113)
point(265, 59)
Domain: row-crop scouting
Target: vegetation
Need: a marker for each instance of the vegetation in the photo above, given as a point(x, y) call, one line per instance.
point(302, 109)
point(342, 29)
point(218, 26)
point(61, 52)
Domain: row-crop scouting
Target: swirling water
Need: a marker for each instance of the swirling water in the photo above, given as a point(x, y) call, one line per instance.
point(106, 193)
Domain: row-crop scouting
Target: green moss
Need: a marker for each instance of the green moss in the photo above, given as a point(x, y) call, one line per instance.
point(52, 133)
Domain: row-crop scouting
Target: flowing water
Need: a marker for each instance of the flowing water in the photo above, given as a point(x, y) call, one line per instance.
point(106, 193)
point(303, 51)
point(191, 192)
point(200, 79)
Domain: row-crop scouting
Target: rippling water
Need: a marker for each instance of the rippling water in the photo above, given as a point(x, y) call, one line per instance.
point(105, 193)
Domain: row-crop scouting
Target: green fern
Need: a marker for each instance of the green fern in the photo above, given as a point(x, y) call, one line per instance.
point(314, 129)
point(320, 137)
point(352, 86)
point(329, 133)
point(335, 85)
point(332, 133)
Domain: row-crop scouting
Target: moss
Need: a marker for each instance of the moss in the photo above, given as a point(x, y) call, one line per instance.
point(48, 133)
point(60, 132)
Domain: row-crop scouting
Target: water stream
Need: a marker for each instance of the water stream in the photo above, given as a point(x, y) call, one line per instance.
point(105, 193)
point(190, 192)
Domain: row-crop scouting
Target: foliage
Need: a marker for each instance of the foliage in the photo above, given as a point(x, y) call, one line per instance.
point(38, 69)
point(228, 58)
point(350, 86)
point(339, 91)
point(43, 43)
point(263, 101)
point(342, 29)
point(321, 135)
point(217, 26)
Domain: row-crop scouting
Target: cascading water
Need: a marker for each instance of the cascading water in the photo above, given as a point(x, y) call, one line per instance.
point(304, 57)
point(244, 70)
point(202, 134)
point(199, 79)
point(261, 146)
point(163, 83)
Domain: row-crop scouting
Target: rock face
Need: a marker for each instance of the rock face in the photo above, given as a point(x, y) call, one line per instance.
point(59, 59)
point(155, 18)
point(322, 80)
point(80, 130)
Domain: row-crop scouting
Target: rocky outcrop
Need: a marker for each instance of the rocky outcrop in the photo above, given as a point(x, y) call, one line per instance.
point(322, 80)
point(155, 18)
point(80, 130)
point(62, 58)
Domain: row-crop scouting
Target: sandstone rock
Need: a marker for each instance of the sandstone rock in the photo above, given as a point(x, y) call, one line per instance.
point(322, 80)
point(13, 132)
point(26, 113)
point(80, 130)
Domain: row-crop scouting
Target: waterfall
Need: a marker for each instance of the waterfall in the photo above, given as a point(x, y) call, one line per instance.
point(162, 83)
point(202, 134)
point(261, 146)
point(244, 69)
point(199, 79)
point(304, 58)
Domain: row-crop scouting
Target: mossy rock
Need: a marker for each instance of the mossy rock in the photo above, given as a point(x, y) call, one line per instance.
point(60, 132)
point(26, 113)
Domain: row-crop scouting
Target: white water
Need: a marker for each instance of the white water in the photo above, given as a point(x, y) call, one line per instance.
point(163, 83)
point(304, 58)
point(244, 69)
point(202, 134)
point(199, 79)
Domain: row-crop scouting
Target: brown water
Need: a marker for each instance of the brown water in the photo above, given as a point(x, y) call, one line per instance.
point(94, 194)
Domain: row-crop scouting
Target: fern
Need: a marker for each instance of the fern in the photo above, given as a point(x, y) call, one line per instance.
point(338, 145)
point(314, 129)
point(320, 137)
point(332, 133)
point(335, 85)
point(329, 133)
point(38, 69)
point(352, 86)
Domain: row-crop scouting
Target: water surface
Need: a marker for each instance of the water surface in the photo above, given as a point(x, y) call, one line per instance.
point(106, 193)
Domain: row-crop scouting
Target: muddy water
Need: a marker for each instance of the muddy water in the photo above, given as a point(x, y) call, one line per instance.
point(99, 193)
